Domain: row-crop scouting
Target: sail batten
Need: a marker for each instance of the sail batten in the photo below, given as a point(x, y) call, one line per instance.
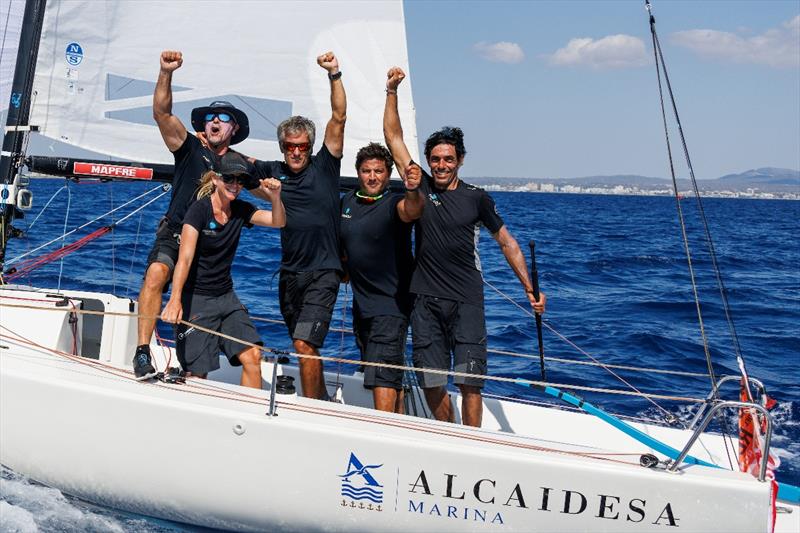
point(99, 62)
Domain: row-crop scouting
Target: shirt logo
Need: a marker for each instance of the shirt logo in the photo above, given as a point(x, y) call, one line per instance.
point(434, 198)
point(346, 213)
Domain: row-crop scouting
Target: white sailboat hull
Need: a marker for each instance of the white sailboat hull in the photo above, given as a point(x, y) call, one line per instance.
point(207, 453)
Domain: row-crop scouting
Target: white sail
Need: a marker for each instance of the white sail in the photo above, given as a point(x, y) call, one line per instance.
point(98, 63)
point(10, 27)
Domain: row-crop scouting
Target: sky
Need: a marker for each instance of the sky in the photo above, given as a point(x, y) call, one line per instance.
point(559, 89)
point(568, 88)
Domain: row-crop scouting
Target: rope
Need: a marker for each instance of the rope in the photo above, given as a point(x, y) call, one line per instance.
point(532, 356)
point(275, 351)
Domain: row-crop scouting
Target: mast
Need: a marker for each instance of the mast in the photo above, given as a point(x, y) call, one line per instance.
point(17, 122)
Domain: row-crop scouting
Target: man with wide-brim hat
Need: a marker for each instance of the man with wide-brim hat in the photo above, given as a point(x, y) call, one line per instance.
point(219, 125)
point(203, 119)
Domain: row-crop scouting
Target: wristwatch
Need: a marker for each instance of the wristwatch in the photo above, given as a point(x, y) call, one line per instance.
point(334, 77)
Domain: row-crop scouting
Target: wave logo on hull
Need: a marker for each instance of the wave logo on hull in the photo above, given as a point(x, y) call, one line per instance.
point(360, 485)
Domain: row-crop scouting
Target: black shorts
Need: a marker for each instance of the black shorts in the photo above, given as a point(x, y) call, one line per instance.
point(165, 248)
point(382, 339)
point(440, 327)
point(307, 300)
point(198, 351)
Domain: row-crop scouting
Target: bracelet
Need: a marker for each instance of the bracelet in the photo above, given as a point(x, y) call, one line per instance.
point(391, 91)
point(334, 77)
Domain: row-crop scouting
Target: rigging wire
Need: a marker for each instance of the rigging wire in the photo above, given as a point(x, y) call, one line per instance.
point(133, 254)
point(64, 236)
point(15, 259)
point(659, 61)
point(670, 418)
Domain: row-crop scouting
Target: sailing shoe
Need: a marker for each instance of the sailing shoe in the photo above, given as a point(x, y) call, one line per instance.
point(142, 367)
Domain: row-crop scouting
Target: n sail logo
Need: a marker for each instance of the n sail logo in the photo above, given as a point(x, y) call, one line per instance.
point(360, 488)
point(74, 54)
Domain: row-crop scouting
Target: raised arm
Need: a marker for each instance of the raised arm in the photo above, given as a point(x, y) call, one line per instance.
point(334, 131)
point(411, 206)
point(513, 254)
point(173, 312)
point(270, 190)
point(172, 129)
point(392, 129)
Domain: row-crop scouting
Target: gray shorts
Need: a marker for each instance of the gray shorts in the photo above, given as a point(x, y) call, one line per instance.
point(306, 301)
point(440, 327)
point(166, 246)
point(382, 339)
point(198, 351)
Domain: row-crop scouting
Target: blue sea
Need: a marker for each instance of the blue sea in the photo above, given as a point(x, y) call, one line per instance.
point(613, 267)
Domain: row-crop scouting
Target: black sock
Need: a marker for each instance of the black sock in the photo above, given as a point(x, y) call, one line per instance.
point(143, 348)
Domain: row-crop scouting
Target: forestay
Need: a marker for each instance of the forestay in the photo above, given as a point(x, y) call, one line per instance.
point(98, 63)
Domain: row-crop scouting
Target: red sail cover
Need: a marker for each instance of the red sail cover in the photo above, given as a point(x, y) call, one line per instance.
point(752, 428)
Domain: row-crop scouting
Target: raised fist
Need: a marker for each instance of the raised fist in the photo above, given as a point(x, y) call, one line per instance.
point(413, 177)
point(394, 77)
point(171, 60)
point(329, 62)
point(272, 188)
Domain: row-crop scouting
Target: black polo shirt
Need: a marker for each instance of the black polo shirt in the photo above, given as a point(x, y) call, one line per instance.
point(192, 160)
point(377, 247)
point(310, 239)
point(210, 273)
point(447, 261)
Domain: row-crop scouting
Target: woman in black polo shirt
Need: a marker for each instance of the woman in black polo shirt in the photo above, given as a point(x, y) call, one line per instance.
point(202, 287)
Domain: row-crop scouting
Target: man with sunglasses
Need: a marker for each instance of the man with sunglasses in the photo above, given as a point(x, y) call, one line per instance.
point(448, 315)
point(310, 263)
point(376, 249)
point(221, 125)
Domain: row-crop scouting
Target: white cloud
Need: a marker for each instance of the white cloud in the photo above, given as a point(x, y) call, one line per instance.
point(776, 47)
point(502, 52)
point(613, 51)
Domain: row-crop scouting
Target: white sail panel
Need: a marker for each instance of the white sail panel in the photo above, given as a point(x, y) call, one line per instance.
point(98, 63)
point(11, 12)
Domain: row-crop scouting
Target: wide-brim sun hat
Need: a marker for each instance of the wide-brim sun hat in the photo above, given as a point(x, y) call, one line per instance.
point(221, 106)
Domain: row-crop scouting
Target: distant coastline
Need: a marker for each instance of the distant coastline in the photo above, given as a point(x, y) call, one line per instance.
point(762, 183)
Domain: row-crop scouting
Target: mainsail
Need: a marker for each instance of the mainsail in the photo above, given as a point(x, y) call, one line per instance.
point(98, 63)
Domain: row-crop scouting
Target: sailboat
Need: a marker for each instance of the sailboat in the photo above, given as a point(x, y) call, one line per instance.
point(73, 417)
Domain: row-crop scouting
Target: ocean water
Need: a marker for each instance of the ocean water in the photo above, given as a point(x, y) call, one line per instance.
point(613, 267)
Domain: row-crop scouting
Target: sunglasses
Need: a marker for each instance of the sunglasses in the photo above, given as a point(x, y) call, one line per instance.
point(230, 178)
point(290, 147)
point(223, 117)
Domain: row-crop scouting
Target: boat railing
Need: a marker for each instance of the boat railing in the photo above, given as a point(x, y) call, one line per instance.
point(710, 399)
point(707, 419)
